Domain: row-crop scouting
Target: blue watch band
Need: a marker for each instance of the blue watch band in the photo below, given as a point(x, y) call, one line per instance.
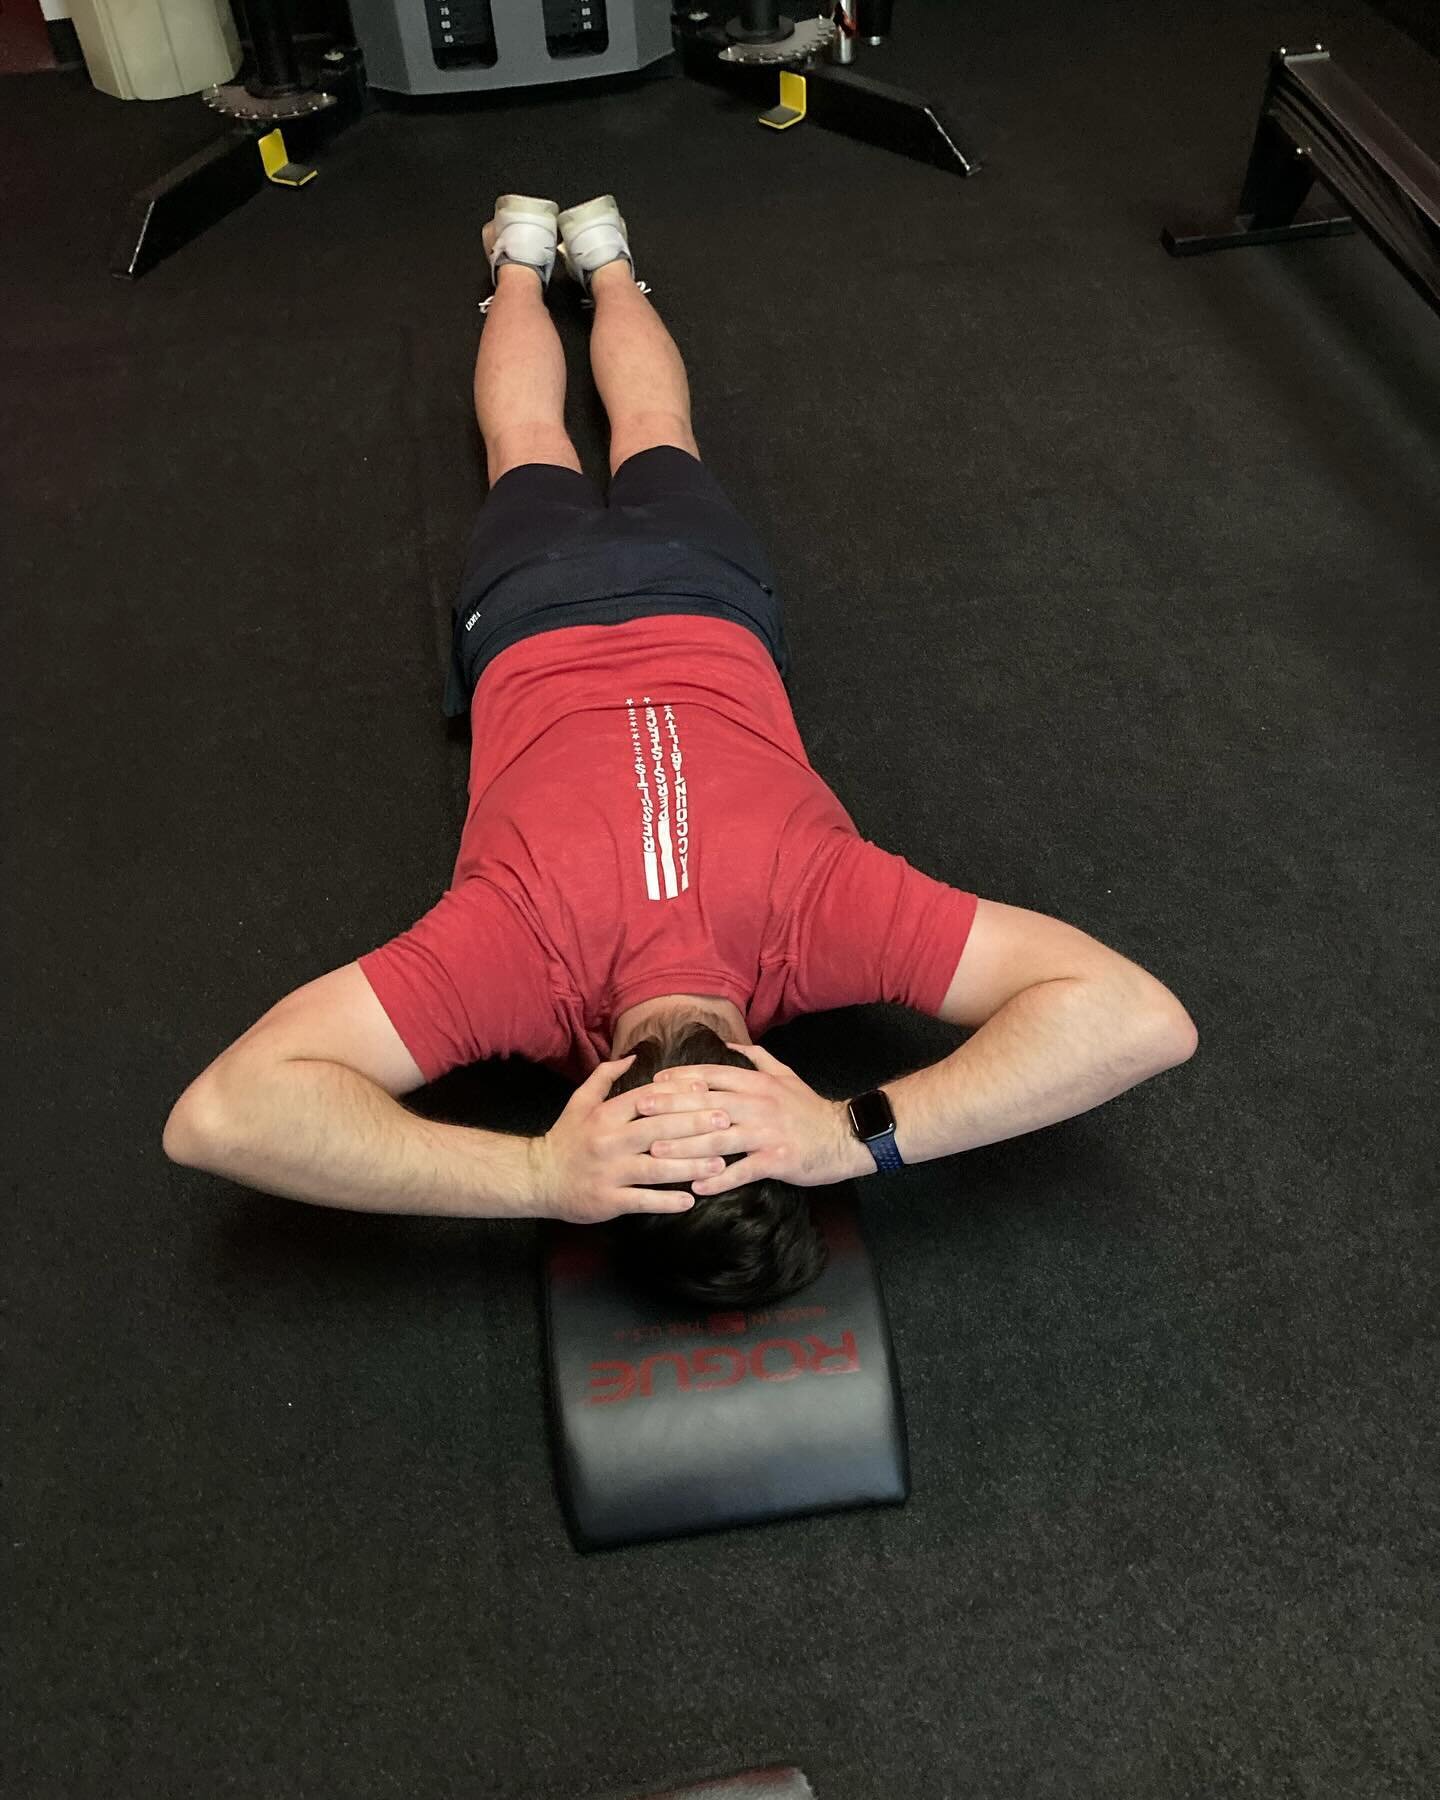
point(885, 1151)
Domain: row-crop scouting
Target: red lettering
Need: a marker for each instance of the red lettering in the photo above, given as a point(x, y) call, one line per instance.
point(623, 1379)
point(706, 1360)
point(647, 1372)
point(797, 1364)
point(722, 1367)
point(845, 1351)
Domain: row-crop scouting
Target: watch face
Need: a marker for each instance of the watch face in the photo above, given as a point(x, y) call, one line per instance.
point(872, 1115)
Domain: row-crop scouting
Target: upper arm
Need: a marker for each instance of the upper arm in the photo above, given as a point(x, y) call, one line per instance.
point(336, 1018)
point(1010, 949)
point(877, 929)
point(465, 982)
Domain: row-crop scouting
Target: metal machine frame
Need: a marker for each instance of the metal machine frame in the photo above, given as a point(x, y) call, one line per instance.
point(746, 53)
point(282, 113)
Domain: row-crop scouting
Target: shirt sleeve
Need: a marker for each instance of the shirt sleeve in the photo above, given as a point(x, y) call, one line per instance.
point(468, 981)
point(871, 927)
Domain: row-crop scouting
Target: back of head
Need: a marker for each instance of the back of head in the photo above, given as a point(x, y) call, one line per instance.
point(749, 1247)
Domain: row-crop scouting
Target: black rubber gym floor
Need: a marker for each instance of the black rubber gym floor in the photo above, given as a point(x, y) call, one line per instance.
point(1112, 590)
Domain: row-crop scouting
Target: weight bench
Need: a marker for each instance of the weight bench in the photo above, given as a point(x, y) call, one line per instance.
point(1317, 125)
point(669, 1419)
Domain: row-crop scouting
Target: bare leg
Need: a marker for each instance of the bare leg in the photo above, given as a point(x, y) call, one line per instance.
point(638, 369)
point(520, 378)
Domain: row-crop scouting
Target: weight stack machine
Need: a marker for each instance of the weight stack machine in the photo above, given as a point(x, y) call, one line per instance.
point(475, 46)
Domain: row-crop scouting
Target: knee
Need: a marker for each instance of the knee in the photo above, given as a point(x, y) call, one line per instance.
point(518, 445)
point(635, 432)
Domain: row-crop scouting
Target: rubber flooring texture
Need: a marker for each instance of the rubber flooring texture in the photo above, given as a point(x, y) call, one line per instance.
point(1111, 585)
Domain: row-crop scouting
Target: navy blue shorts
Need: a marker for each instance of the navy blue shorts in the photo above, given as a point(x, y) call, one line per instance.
point(548, 551)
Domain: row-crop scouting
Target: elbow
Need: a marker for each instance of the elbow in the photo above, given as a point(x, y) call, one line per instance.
point(192, 1132)
point(1170, 1034)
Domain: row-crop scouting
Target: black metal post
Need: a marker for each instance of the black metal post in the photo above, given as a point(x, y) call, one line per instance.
point(276, 70)
point(1277, 182)
point(760, 22)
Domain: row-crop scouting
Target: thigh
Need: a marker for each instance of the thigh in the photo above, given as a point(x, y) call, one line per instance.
point(530, 513)
point(667, 493)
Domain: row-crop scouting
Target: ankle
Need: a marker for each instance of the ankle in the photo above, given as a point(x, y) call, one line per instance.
point(510, 277)
point(613, 276)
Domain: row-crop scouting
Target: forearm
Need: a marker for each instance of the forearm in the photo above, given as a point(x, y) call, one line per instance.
point(1056, 1049)
point(319, 1132)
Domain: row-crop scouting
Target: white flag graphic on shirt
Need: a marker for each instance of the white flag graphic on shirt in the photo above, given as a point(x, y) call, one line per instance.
point(659, 767)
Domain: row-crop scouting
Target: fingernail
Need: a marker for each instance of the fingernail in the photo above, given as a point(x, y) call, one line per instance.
point(719, 1120)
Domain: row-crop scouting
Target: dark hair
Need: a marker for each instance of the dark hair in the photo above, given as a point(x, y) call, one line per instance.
point(749, 1247)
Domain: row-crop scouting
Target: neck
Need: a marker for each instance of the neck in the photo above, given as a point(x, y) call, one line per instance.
point(638, 1021)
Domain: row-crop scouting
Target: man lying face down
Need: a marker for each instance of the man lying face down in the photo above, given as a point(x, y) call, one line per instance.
point(651, 875)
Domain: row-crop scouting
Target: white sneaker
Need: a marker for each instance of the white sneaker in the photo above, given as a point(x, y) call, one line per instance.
point(523, 230)
point(592, 236)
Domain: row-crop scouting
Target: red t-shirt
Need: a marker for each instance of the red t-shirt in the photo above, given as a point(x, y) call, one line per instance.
point(643, 820)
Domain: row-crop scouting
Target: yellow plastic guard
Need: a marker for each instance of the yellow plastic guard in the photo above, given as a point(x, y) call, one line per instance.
point(278, 165)
point(791, 109)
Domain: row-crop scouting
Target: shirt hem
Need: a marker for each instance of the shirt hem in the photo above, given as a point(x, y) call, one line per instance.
point(943, 969)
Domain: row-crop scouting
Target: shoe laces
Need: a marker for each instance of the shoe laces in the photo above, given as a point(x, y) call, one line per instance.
point(586, 302)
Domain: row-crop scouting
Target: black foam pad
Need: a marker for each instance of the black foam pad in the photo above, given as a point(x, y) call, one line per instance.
point(754, 1784)
point(669, 1419)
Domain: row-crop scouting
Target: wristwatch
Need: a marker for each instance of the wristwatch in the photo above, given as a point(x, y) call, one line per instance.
point(872, 1119)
